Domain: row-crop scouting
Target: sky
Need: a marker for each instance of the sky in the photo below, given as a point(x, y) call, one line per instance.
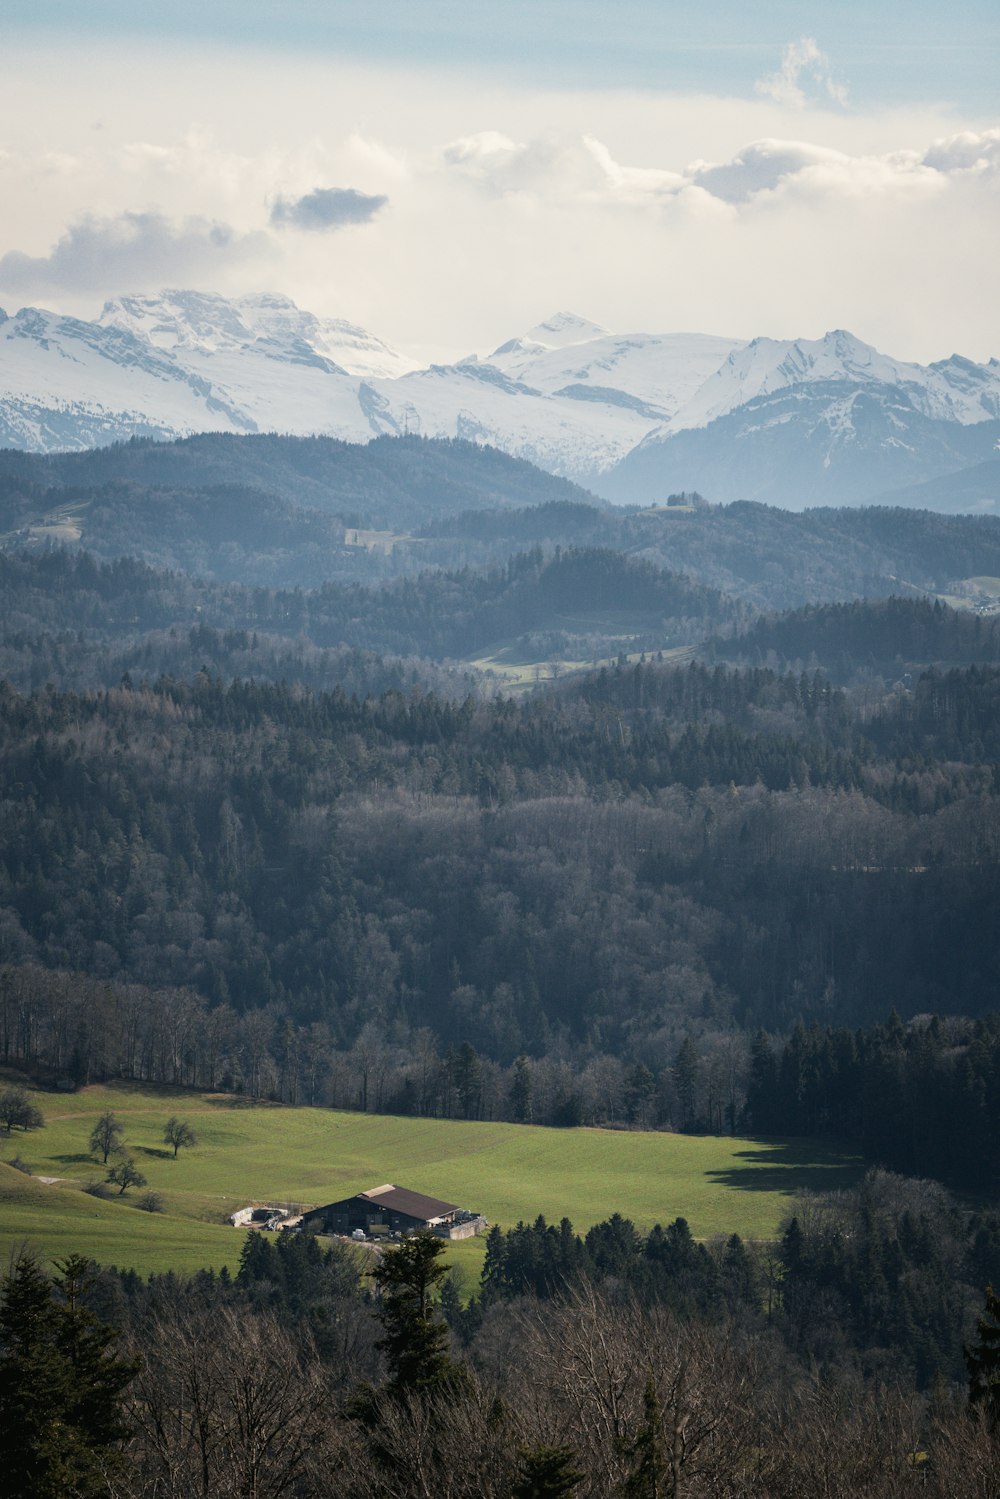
point(448, 174)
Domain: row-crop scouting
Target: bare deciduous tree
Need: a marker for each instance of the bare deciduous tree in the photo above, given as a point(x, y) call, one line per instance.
point(228, 1405)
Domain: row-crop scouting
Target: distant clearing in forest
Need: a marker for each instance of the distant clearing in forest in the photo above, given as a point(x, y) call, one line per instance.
point(516, 668)
point(272, 1154)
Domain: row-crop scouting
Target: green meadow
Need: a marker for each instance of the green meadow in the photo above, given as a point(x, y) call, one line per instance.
point(273, 1154)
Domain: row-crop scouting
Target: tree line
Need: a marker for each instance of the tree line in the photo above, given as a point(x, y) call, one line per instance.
point(920, 1098)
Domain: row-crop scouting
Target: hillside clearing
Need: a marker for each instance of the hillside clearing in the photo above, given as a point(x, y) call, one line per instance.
point(275, 1154)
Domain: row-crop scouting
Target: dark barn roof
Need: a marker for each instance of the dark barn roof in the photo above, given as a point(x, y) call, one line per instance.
point(413, 1204)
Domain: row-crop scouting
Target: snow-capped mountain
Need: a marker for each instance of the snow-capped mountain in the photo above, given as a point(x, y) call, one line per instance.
point(953, 390)
point(634, 416)
point(186, 320)
point(828, 443)
point(652, 373)
point(824, 421)
point(65, 383)
point(184, 362)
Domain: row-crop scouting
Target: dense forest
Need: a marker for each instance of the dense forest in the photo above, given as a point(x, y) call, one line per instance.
point(59, 610)
point(884, 636)
point(606, 867)
point(287, 841)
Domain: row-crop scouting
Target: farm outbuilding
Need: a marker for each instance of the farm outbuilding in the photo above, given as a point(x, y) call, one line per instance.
point(391, 1209)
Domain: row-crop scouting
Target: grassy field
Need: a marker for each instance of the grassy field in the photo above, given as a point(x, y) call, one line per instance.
point(508, 663)
point(271, 1154)
point(971, 591)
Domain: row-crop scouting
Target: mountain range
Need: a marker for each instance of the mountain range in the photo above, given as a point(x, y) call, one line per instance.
point(631, 417)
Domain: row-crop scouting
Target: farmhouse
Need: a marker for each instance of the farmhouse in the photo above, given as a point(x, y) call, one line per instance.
point(391, 1209)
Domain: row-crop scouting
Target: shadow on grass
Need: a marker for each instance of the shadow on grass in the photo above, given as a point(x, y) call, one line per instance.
point(788, 1166)
point(156, 1151)
point(81, 1159)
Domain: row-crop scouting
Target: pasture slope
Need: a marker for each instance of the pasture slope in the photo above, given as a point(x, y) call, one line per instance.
point(272, 1153)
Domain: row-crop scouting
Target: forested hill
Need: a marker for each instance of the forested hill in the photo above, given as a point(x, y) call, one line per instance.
point(298, 512)
point(577, 601)
point(459, 614)
point(889, 636)
point(71, 620)
point(395, 481)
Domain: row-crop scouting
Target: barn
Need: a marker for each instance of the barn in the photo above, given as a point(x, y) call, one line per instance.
point(391, 1209)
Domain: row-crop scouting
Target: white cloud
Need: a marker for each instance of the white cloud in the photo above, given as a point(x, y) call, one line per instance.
point(760, 167)
point(643, 210)
point(802, 62)
point(974, 152)
point(133, 251)
point(762, 174)
point(550, 165)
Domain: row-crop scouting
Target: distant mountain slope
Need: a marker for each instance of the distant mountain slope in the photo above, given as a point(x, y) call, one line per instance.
point(972, 489)
point(829, 442)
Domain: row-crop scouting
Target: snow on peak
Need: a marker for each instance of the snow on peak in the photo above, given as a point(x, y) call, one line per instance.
point(567, 394)
point(563, 329)
point(518, 346)
point(948, 390)
point(178, 320)
point(186, 322)
point(766, 365)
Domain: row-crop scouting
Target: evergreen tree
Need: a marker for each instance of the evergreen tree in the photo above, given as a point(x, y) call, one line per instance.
point(521, 1091)
point(545, 1473)
point(415, 1341)
point(983, 1360)
point(61, 1386)
point(648, 1477)
point(685, 1074)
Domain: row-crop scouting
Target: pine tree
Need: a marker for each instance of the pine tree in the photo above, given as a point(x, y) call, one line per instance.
point(520, 1091)
point(685, 1073)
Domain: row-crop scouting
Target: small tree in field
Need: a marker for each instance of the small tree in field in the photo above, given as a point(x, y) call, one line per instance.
point(177, 1133)
point(17, 1110)
point(107, 1136)
point(125, 1173)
